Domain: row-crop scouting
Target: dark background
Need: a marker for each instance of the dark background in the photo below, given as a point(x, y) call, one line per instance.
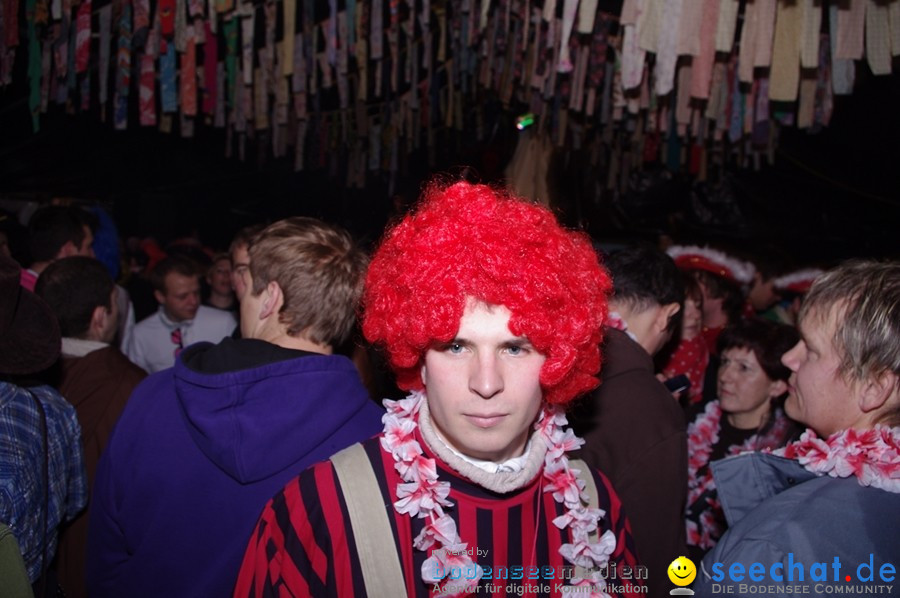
point(829, 195)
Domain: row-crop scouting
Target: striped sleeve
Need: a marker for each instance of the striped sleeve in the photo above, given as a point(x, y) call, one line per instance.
point(624, 554)
point(299, 541)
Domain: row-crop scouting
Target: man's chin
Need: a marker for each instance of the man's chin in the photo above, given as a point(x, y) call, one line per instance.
point(791, 407)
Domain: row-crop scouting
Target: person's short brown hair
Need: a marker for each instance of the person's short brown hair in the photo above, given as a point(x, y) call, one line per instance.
point(244, 236)
point(73, 287)
point(174, 263)
point(320, 271)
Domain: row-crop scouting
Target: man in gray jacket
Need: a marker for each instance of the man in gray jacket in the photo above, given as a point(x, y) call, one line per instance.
point(822, 516)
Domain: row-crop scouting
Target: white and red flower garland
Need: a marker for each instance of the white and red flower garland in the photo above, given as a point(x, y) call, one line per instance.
point(872, 455)
point(703, 435)
point(425, 497)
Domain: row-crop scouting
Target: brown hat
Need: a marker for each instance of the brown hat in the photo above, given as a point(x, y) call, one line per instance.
point(29, 333)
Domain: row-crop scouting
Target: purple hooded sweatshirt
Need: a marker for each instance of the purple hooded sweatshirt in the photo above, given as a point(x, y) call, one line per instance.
point(197, 453)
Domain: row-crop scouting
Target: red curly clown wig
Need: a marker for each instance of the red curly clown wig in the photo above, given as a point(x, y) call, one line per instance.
point(475, 241)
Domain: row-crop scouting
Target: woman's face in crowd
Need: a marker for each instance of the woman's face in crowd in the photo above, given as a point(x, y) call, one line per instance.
point(692, 321)
point(744, 388)
point(219, 278)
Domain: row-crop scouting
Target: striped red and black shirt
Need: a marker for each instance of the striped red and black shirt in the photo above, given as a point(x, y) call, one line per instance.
point(303, 544)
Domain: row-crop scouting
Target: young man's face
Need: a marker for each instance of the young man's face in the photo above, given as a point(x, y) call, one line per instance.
point(692, 320)
point(819, 396)
point(219, 277)
point(483, 386)
point(111, 325)
point(182, 297)
point(86, 249)
point(762, 293)
point(712, 306)
point(240, 267)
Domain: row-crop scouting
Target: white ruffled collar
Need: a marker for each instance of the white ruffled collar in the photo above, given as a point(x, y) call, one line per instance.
point(426, 497)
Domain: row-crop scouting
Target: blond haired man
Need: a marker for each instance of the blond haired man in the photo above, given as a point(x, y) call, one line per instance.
point(825, 512)
point(201, 446)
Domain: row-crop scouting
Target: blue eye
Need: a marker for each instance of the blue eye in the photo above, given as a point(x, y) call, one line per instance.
point(454, 348)
point(515, 350)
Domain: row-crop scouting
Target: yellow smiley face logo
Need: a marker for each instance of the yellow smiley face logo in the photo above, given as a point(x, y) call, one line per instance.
point(682, 571)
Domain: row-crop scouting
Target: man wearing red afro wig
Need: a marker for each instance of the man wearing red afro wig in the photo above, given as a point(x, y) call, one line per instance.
point(490, 314)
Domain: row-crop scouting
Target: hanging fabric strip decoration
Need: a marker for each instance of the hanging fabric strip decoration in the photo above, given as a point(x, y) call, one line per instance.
point(105, 19)
point(34, 65)
point(167, 85)
point(878, 38)
point(648, 24)
point(377, 31)
point(689, 27)
point(749, 39)
point(824, 99)
point(806, 104)
point(785, 75)
point(181, 26)
point(894, 20)
point(83, 37)
point(765, 33)
point(342, 61)
point(46, 62)
point(84, 93)
point(219, 116)
point(260, 101)
point(247, 26)
point(142, 16)
point(812, 25)
point(843, 71)
point(331, 33)
point(632, 59)
point(71, 80)
point(564, 63)
point(123, 69)
point(146, 92)
point(587, 16)
point(298, 79)
point(61, 48)
point(289, 8)
point(11, 21)
point(229, 29)
point(237, 118)
point(728, 10)
point(702, 65)
point(166, 9)
point(851, 21)
point(210, 70)
point(666, 47)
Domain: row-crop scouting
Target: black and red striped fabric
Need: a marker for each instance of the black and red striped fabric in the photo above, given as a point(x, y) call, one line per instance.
point(303, 544)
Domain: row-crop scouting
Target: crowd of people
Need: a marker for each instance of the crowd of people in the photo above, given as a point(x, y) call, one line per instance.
point(207, 423)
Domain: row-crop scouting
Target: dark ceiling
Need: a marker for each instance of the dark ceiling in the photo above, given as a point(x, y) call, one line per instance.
point(829, 195)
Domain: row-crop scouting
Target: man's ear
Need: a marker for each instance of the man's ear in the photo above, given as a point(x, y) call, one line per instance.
point(160, 297)
point(665, 313)
point(98, 321)
point(272, 300)
point(67, 250)
point(878, 391)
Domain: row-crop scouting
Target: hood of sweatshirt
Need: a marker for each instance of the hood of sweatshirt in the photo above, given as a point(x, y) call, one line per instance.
point(255, 409)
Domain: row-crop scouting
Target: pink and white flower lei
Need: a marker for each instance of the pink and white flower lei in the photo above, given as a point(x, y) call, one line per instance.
point(425, 497)
point(872, 455)
point(703, 435)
